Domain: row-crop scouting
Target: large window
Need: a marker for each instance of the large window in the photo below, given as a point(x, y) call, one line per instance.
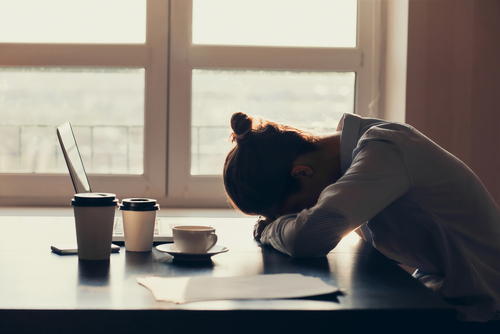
point(103, 66)
point(149, 87)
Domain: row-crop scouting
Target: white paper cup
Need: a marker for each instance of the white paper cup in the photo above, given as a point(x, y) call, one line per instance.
point(194, 239)
point(139, 218)
point(94, 218)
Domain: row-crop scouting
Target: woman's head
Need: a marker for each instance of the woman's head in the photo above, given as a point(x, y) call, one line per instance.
point(257, 171)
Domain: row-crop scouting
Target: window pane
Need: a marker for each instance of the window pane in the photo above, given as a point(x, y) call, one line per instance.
point(308, 23)
point(72, 21)
point(309, 100)
point(105, 107)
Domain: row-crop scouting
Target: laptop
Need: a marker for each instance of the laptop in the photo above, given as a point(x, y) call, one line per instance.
point(162, 233)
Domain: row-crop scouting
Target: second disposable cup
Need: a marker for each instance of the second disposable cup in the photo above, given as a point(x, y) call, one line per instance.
point(139, 218)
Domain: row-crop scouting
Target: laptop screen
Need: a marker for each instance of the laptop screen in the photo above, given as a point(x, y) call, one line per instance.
point(73, 158)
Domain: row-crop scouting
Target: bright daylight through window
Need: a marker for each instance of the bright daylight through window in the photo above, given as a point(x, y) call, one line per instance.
point(104, 105)
point(75, 21)
point(310, 100)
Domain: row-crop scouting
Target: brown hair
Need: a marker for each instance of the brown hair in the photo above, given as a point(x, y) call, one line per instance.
point(257, 170)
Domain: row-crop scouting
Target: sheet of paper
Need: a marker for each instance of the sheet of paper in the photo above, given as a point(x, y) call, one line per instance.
point(189, 289)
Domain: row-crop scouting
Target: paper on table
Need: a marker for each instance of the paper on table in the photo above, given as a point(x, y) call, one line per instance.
point(189, 289)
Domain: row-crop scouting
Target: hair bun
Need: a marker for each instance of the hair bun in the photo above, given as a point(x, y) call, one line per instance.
point(240, 123)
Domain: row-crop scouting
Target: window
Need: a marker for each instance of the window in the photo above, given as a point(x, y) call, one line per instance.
point(150, 85)
point(104, 105)
point(309, 99)
point(303, 63)
point(100, 64)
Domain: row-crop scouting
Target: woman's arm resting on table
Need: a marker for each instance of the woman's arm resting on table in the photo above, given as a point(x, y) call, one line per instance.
point(375, 179)
point(311, 233)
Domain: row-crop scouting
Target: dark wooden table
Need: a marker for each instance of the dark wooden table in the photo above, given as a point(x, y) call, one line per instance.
point(42, 292)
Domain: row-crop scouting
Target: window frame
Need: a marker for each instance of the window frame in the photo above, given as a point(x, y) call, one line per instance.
point(207, 190)
point(55, 189)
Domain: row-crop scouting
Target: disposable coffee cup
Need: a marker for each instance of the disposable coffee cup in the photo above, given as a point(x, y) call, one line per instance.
point(94, 218)
point(139, 218)
point(192, 239)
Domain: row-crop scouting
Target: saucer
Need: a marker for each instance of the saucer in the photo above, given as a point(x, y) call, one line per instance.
point(177, 254)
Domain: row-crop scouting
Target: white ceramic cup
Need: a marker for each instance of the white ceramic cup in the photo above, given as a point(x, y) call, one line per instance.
point(139, 219)
point(94, 219)
point(194, 239)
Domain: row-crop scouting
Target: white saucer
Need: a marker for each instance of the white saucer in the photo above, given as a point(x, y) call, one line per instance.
point(172, 250)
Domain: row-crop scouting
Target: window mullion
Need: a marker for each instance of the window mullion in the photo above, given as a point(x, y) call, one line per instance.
point(74, 55)
point(330, 59)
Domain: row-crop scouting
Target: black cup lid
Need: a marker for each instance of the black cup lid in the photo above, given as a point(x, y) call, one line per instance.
point(94, 199)
point(139, 204)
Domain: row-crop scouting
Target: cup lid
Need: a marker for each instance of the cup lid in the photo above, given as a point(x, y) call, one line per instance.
point(94, 199)
point(139, 204)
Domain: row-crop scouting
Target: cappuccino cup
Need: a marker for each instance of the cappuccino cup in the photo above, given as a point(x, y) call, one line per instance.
point(139, 219)
point(94, 218)
point(192, 239)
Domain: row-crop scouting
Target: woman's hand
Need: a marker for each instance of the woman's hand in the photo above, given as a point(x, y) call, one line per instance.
point(259, 226)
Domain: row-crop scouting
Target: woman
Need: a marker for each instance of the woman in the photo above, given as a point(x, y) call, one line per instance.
point(422, 206)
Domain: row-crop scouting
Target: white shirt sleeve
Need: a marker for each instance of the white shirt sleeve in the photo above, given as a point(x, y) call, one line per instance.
point(376, 177)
